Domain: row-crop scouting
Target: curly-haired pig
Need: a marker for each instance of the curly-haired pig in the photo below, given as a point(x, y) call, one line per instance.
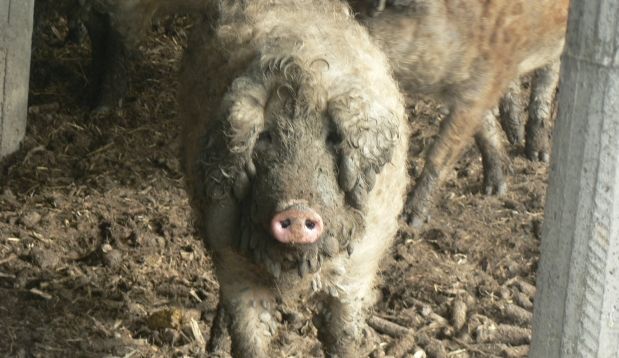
point(294, 151)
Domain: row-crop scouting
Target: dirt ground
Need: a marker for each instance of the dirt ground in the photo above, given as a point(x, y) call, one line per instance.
point(98, 257)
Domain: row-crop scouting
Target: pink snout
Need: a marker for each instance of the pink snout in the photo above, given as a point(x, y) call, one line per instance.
point(297, 225)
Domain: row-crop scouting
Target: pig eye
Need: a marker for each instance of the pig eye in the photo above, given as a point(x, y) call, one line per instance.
point(263, 142)
point(265, 137)
point(334, 138)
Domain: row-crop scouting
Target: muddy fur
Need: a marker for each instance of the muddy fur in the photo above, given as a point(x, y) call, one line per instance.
point(465, 53)
point(290, 102)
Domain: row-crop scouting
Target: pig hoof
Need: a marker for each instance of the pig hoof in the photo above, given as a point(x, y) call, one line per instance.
point(416, 221)
point(538, 155)
point(378, 7)
point(536, 149)
point(269, 323)
point(101, 111)
point(514, 138)
point(495, 187)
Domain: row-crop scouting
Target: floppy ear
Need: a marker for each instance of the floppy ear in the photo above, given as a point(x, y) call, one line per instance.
point(369, 133)
point(230, 139)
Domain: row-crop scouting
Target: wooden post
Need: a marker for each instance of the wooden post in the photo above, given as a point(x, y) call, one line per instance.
point(577, 303)
point(15, 39)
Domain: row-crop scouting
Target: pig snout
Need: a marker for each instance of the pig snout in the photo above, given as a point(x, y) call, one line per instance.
point(297, 225)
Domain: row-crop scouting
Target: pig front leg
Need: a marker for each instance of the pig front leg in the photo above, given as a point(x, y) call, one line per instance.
point(342, 327)
point(249, 305)
point(493, 157)
point(217, 341)
point(543, 87)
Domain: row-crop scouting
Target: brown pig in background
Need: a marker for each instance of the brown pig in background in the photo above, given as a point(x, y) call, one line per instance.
point(466, 53)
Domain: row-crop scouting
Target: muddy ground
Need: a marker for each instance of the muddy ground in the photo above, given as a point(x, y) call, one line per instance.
point(98, 256)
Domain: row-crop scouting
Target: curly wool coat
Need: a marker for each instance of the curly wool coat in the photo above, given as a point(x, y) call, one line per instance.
point(291, 99)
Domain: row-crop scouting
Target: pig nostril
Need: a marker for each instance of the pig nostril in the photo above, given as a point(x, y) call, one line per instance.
point(310, 224)
point(285, 223)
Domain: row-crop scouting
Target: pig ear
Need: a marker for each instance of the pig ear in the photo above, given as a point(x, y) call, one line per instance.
point(244, 104)
point(243, 119)
point(369, 133)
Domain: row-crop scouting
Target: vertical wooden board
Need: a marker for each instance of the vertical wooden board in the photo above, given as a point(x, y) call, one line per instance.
point(577, 304)
point(3, 100)
point(4, 12)
point(15, 39)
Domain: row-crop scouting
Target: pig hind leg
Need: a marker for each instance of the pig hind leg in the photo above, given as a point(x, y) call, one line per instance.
point(109, 65)
point(543, 88)
point(455, 133)
point(488, 141)
point(510, 112)
point(466, 119)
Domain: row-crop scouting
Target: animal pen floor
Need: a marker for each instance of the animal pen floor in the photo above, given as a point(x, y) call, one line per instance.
point(98, 257)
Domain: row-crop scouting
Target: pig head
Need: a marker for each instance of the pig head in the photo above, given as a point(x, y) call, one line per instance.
point(291, 167)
